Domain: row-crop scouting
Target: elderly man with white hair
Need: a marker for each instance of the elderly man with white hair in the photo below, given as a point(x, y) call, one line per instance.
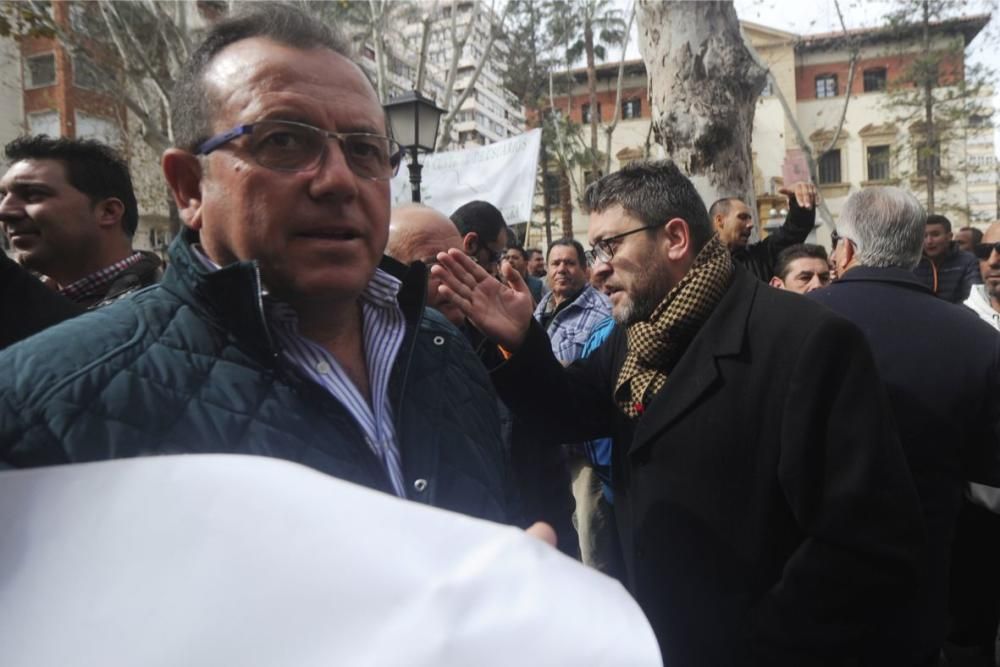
point(938, 362)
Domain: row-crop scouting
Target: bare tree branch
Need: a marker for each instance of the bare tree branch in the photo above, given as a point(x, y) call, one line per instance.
point(609, 130)
point(444, 136)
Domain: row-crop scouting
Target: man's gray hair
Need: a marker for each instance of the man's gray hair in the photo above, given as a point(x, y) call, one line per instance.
point(886, 225)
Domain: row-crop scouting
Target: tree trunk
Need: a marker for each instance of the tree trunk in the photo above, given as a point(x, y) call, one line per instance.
point(931, 148)
point(703, 86)
point(595, 117)
point(566, 205)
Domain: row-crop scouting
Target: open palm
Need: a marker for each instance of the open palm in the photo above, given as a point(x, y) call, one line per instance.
point(502, 312)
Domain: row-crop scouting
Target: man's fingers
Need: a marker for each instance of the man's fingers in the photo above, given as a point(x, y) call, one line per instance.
point(463, 304)
point(514, 279)
point(804, 194)
point(542, 531)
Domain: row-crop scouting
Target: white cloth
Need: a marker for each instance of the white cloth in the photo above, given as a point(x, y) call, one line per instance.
point(241, 560)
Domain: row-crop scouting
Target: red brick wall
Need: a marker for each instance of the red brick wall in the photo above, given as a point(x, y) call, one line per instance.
point(805, 75)
point(64, 96)
point(606, 100)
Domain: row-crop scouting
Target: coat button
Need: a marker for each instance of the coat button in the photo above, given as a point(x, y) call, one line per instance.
point(419, 485)
point(439, 340)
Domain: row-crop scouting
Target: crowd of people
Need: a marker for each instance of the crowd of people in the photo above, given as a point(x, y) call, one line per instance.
point(786, 457)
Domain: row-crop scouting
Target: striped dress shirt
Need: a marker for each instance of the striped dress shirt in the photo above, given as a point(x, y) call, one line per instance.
point(383, 330)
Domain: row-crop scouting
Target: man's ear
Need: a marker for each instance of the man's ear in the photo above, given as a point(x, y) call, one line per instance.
point(777, 282)
point(183, 173)
point(677, 238)
point(717, 222)
point(110, 212)
point(470, 243)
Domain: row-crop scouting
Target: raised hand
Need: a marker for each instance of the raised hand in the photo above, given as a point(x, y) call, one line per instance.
point(502, 312)
point(802, 193)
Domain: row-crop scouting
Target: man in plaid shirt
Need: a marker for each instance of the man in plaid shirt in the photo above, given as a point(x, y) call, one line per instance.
point(69, 211)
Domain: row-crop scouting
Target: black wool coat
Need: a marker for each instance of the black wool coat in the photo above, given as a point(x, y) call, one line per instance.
point(941, 367)
point(764, 506)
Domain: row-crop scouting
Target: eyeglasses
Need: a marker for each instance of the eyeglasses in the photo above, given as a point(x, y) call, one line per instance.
point(604, 250)
point(983, 250)
point(284, 145)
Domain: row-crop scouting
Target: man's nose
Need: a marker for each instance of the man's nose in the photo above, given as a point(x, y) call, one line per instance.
point(334, 176)
point(994, 259)
point(11, 209)
point(814, 283)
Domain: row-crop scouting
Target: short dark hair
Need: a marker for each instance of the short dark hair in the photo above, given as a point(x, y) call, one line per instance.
point(191, 105)
point(531, 251)
point(977, 234)
point(794, 252)
point(93, 168)
point(653, 192)
point(580, 254)
point(936, 219)
point(480, 217)
point(721, 207)
point(517, 247)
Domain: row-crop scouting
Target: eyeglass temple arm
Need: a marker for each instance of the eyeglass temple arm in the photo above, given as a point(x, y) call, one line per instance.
point(220, 139)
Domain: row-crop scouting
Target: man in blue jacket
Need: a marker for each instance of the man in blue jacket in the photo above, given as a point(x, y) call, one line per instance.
point(279, 328)
point(946, 407)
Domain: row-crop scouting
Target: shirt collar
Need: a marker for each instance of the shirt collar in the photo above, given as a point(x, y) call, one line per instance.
point(382, 290)
point(97, 282)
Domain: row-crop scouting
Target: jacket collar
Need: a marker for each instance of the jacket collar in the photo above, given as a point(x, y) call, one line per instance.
point(888, 274)
point(722, 335)
point(232, 295)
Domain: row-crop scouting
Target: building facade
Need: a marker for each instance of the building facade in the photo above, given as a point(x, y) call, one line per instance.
point(873, 145)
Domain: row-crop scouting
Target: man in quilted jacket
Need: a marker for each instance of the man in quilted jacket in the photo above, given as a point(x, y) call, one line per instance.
point(279, 328)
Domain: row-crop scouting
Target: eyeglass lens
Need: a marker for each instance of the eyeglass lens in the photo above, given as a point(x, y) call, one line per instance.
point(288, 146)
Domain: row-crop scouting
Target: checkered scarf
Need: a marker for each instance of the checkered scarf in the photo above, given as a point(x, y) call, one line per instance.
point(656, 344)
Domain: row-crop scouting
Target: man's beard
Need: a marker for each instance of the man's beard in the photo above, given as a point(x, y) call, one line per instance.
point(651, 287)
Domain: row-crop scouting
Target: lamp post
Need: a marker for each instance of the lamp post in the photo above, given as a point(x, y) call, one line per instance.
point(414, 121)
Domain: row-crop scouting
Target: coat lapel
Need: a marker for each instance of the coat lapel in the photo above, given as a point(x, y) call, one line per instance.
point(698, 370)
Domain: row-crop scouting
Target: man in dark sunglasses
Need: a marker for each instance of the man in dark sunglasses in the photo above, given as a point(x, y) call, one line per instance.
point(975, 583)
point(280, 329)
point(733, 220)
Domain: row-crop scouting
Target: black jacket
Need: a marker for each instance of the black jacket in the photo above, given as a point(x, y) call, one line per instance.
point(952, 276)
point(760, 258)
point(763, 503)
point(940, 364)
point(189, 366)
point(26, 305)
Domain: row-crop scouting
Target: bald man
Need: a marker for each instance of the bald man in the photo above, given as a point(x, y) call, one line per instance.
point(418, 232)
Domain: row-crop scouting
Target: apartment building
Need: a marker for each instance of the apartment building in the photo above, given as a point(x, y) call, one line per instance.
point(490, 113)
point(873, 146)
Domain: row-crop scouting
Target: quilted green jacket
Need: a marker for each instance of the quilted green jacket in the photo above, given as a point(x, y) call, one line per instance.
point(188, 366)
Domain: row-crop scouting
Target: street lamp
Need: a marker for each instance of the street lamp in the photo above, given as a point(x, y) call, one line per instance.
point(414, 121)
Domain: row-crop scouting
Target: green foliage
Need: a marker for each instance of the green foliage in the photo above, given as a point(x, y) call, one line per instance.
point(938, 96)
point(19, 20)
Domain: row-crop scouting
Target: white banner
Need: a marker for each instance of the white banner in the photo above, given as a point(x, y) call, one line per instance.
point(502, 174)
point(248, 561)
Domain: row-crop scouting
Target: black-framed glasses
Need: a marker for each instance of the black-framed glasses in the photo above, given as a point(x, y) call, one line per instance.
point(284, 145)
point(604, 250)
point(984, 250)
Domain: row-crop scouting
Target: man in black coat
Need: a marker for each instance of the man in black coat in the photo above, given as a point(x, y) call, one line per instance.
point(763, 503)
point(26, 305)
point(946, 406)
point(733, 221)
